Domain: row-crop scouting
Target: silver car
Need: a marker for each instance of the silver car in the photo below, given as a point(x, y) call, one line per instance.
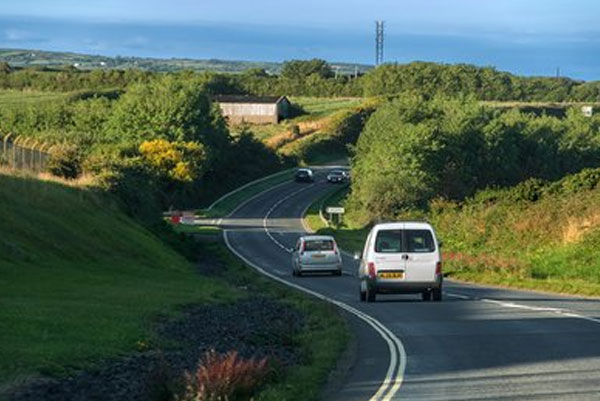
point(315, 254)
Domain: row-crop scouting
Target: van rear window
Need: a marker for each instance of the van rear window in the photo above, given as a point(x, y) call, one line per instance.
point(389, 241)
point(319, 245)
point(398, 241)
point(419, 241)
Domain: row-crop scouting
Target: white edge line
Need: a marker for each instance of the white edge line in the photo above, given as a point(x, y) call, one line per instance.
point(512, 305)
point(228, 194)
point(235, 191)
point(392, 341)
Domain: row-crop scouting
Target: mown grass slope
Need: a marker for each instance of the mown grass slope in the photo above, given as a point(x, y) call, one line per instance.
point(79, 280)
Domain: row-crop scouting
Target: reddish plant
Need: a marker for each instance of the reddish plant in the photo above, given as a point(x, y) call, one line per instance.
point(224, 377)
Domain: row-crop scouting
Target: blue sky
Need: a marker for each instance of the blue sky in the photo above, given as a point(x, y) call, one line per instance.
point(531, 37)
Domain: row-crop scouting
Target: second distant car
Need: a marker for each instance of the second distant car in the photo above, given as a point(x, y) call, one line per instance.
point(337, 177)
point(316, 254)
point(304, 175)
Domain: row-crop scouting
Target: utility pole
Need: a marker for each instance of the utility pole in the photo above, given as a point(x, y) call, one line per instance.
point(378, 42)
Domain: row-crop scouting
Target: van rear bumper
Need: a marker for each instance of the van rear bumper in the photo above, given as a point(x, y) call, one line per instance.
point(403, 287)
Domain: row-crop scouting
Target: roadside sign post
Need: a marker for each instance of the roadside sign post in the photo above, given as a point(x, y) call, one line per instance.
point(334, 210)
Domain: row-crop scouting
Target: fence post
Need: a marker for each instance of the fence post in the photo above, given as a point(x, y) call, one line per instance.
point(5, 145)
point(14, 151)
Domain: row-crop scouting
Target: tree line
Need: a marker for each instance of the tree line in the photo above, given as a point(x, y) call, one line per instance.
point(316, 78)
point(160, 144)
point(415, 149)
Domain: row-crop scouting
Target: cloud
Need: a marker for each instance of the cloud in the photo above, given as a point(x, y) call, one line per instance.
point(17, 35)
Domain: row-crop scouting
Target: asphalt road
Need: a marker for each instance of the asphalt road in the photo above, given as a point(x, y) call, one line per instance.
point(480, 343)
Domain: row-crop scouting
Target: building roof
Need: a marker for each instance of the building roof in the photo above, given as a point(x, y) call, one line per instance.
point(247, 99)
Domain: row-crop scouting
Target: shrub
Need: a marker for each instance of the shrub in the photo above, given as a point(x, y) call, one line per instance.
point(225, 377)
point(65, 161)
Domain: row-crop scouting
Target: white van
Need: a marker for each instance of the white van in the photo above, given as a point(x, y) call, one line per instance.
point(402, 257)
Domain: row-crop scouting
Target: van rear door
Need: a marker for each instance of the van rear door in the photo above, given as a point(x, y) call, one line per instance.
point(390, 261)
point(421, 255)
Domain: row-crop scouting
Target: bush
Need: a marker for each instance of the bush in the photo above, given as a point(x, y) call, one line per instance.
point(65, 161)
point(225, 377)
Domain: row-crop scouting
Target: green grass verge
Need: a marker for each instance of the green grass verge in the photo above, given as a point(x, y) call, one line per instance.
point(322, 341)
point(10, 99)
point(80, 281)
point(229, 203)
point(348, 235)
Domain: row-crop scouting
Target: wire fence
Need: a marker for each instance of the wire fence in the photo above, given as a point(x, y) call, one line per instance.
point(23, 153)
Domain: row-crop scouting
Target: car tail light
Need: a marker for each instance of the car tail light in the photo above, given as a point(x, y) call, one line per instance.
point(371, 267)
point(438, 268)
point(302, 248)
point(335, 248)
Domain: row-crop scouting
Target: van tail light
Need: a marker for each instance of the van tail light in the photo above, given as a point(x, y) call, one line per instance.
point(438, 268)
point(371, 267)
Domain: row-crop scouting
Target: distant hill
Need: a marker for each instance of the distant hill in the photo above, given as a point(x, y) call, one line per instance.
point(28, 58)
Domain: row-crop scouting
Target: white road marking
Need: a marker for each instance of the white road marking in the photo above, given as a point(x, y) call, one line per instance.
point(512, 305)
point(266, 218)
point(395, 373)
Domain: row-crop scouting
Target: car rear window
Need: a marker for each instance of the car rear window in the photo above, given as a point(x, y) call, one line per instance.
point(319, 245)
point(397, 241)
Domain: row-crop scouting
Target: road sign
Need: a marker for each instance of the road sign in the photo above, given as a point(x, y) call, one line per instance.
point(335, 210)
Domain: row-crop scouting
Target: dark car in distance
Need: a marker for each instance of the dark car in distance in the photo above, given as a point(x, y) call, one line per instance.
point(337, 177)
point(304, 175)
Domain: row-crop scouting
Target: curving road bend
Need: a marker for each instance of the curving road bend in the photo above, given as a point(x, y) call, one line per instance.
point(480, 343)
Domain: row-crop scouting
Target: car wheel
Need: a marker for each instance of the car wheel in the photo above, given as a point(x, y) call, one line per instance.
point(426, 295)
point(437, 294)
point(370, 295)
point(337, 272)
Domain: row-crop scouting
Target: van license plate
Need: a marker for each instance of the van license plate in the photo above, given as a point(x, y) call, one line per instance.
point(391, 275)
point(318, 255)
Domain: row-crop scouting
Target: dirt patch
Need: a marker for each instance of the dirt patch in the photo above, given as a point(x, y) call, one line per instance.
point(257, 327)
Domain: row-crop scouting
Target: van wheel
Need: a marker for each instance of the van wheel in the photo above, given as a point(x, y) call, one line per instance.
point(426, 295)
point(370, 295)
point(337, 273)
point(294, 272)
point(437, 294)
point(363, 296)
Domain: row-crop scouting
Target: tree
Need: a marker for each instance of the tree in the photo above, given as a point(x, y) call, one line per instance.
point(300, 69)
point(164, 108)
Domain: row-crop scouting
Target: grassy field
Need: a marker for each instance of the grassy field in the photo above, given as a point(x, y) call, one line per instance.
point(228, 204)
point(15, 98)
point(497, 237)
point(317, 108)
point(81, 282)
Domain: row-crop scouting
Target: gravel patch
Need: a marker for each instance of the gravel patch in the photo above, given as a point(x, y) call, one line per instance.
point(257, 327)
